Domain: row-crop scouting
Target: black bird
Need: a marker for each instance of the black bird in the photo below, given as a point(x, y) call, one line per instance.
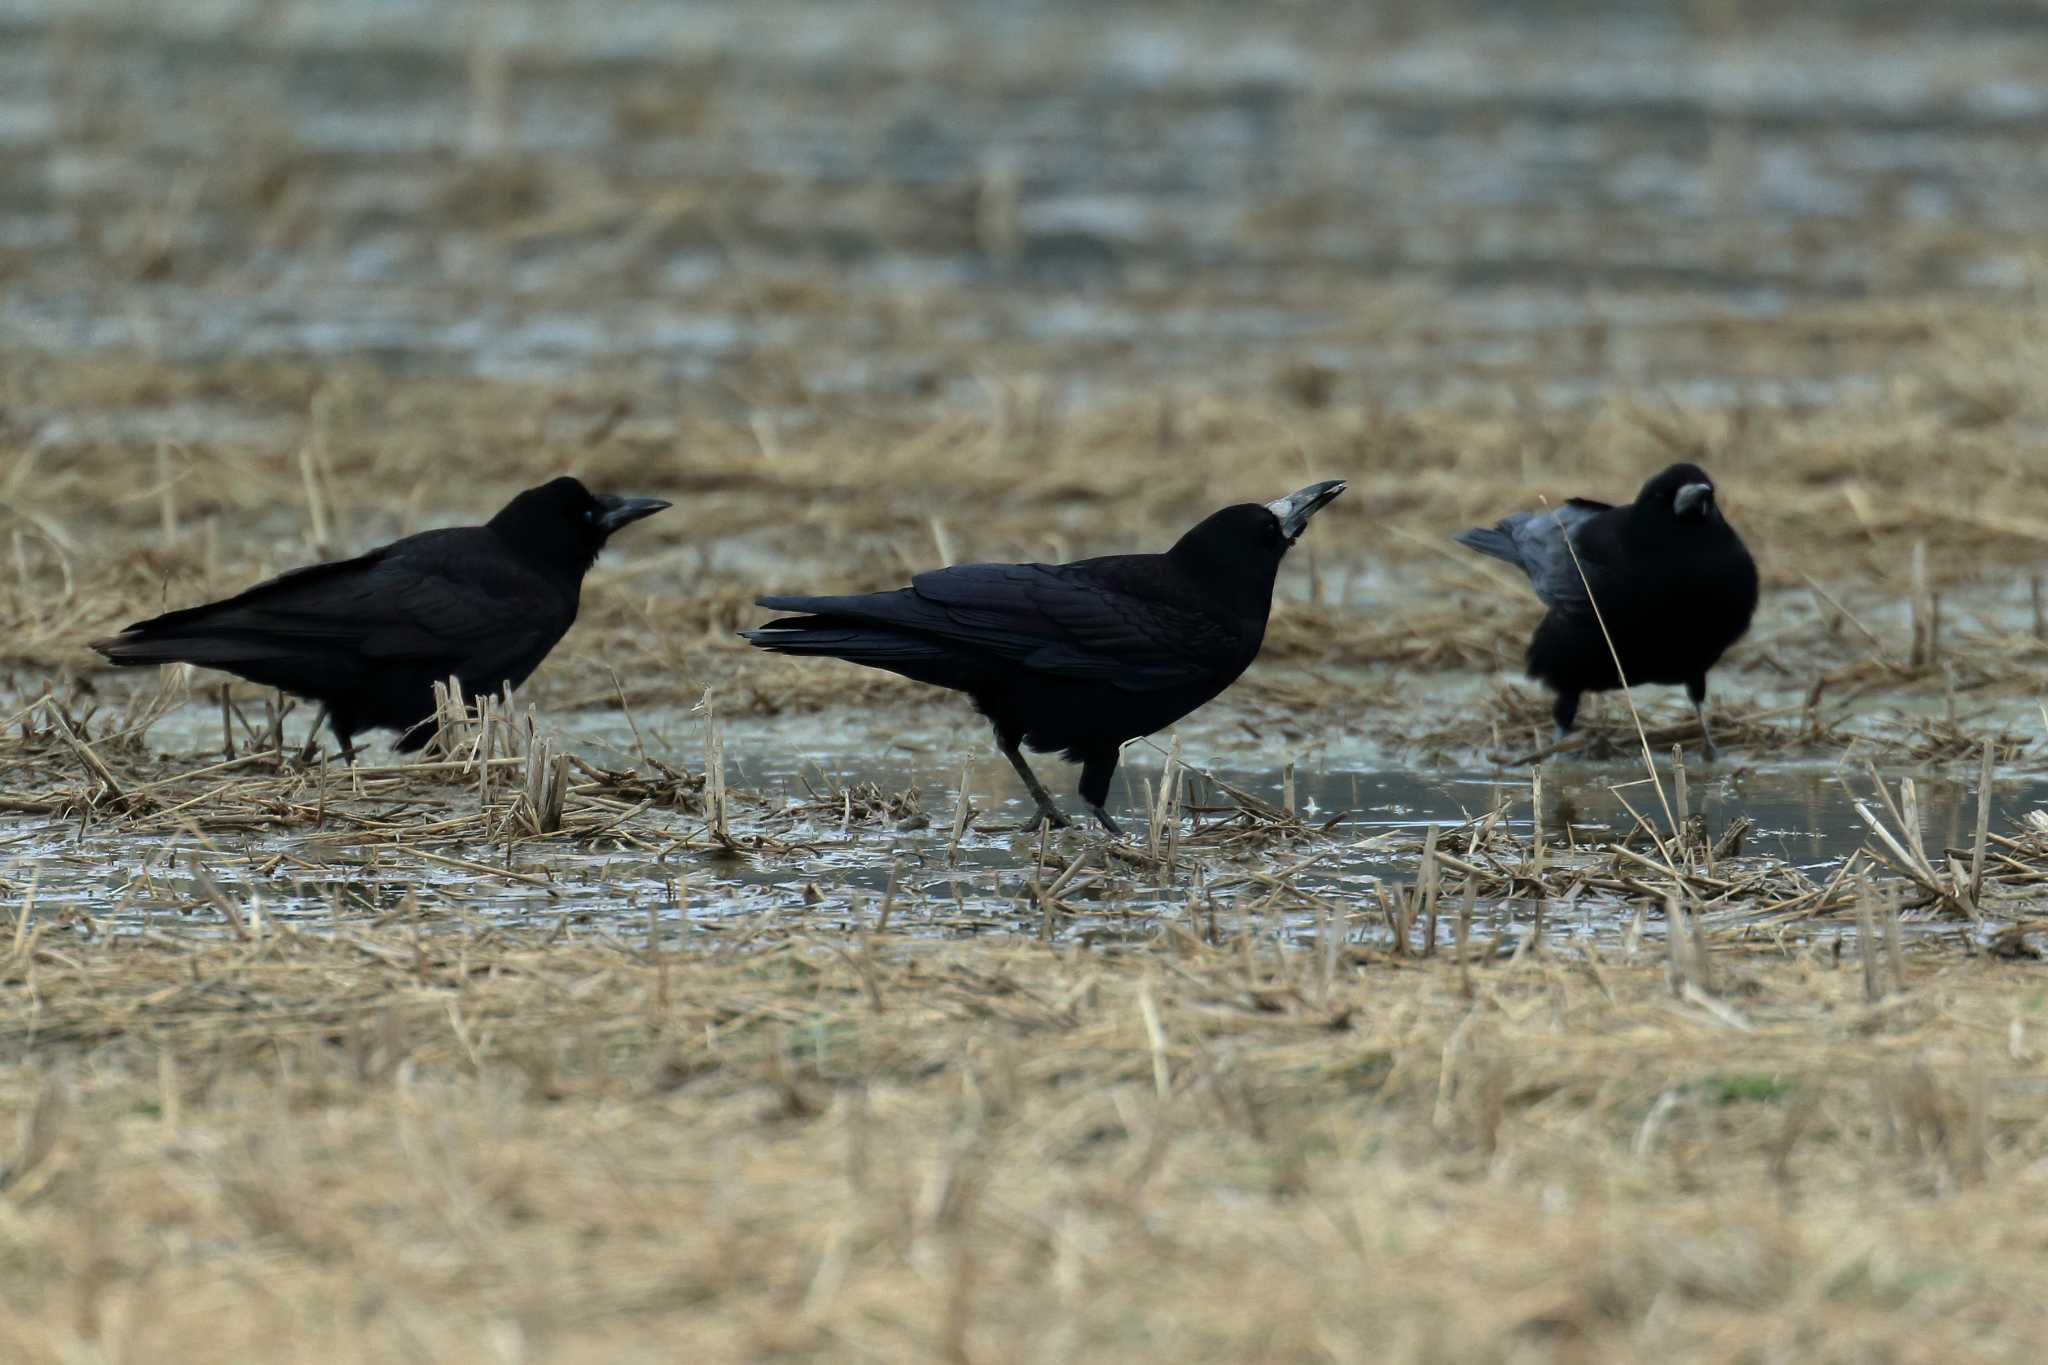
point(1671, 580)
point(368, 637)
point(1078, 657)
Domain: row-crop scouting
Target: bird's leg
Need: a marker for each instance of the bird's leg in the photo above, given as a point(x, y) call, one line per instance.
point(1565, 712)
point(1047, 811)
point(1562, 708)
point(312, 744)
point(1696, 688)
point(344, 726)
point(1096, 770)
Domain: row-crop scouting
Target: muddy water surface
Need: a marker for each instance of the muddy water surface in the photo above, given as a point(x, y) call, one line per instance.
point(814, 857)
point(782, 213)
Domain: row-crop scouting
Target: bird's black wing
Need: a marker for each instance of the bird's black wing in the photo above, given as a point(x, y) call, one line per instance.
point(1535, 543)
point(1062, 620)
point(419, 606)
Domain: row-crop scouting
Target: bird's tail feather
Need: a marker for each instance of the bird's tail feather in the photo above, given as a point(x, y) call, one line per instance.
point(861, 644)
point(820, 606)
point(914, 656)
point(1492, 541)
point(207, 648)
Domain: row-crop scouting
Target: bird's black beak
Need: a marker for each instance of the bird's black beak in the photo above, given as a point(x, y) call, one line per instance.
point(1295, 509)
point(1694, 499)
point(612, 512)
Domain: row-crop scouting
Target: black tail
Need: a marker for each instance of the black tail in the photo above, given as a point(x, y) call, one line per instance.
point(1492, 541)
point(197, 635)
point(312, 659)
point(914, 656)
point(865, 640)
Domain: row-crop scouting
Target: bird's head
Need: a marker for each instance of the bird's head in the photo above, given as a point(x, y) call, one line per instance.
point(1293, 511)
point(562, 521)
point(1681, 493)
point(1243, 545)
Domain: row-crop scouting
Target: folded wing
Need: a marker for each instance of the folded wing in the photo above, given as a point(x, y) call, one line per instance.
point(328, 625)
point(1060, 620)
point(1535, 543)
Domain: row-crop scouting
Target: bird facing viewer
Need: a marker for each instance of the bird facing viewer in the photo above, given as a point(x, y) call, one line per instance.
point(1668, 576)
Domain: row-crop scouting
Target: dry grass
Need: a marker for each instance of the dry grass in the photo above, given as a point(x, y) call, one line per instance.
point(1270, 1125)
point(516, 1056)
point(405, 1130)
point(104, 532)
point(492, 1144)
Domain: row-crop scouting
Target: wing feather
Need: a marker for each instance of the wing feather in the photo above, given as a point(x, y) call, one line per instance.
point(401, 605)
point(1063, 620)
point(1535, 542)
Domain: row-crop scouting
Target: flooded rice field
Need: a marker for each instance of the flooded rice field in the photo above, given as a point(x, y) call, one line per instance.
point(868, 288)
point(896, 823)
point(720, 997)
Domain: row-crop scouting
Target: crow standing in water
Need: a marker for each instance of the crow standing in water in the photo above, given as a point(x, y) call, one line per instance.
point(1078, 657)
point(1670, 578)
point(369, 637)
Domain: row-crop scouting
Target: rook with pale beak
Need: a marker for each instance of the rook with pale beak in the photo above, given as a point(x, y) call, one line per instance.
point(1078, 658)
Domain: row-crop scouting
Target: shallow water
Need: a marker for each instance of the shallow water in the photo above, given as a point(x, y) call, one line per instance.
point(757, 209)
point(827, 875)
point(1803, 814)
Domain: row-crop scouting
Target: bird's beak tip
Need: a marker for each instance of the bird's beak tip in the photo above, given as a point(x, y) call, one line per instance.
point(1296, 508)
point(618, 512)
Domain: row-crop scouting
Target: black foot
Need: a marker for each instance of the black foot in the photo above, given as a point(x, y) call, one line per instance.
point(1049, 814)
point(1560, 743)
point(312, 746)
point(312, 756)
point(1107, 823)
point(1599, 748)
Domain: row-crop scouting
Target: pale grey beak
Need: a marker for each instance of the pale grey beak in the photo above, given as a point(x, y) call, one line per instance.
point(1693, 498)
point(1295, 509)
point(613, 512)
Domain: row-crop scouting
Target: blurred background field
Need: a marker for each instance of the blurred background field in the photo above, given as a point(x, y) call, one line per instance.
point(867, 287)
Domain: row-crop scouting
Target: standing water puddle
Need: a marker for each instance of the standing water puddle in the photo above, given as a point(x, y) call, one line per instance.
point(825, 818)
